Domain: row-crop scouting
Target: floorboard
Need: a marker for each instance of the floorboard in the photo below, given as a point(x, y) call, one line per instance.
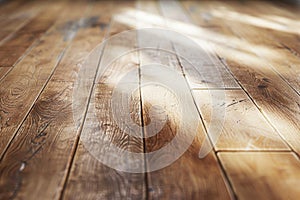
point(201, 102)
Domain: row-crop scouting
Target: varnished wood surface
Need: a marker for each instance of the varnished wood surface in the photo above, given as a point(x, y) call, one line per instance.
point(253, 45)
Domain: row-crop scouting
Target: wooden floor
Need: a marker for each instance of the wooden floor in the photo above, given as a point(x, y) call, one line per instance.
point(254, 44)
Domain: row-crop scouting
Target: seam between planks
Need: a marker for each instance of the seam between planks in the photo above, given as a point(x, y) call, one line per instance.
point(143, 124)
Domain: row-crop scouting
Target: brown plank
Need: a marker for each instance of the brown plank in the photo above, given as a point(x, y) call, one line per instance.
point(124, 63)
point(20, 88)
point(89, 178)
point(185, 178)
point(244, 127)
point(15, 46)
point(263, 175)
point(276, 99)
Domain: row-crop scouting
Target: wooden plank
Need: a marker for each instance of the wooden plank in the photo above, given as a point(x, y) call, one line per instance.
point(15, 47)
point(89, 178)
point(26, 80)
point(115, 48)
point(263, 175)
point(244, 127)
point(186, 178)
point(277, 101)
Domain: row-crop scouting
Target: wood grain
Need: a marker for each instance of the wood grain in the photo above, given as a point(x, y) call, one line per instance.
point(244, 127)
point(55, 109)
point(88, 173)
point(263, 175)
